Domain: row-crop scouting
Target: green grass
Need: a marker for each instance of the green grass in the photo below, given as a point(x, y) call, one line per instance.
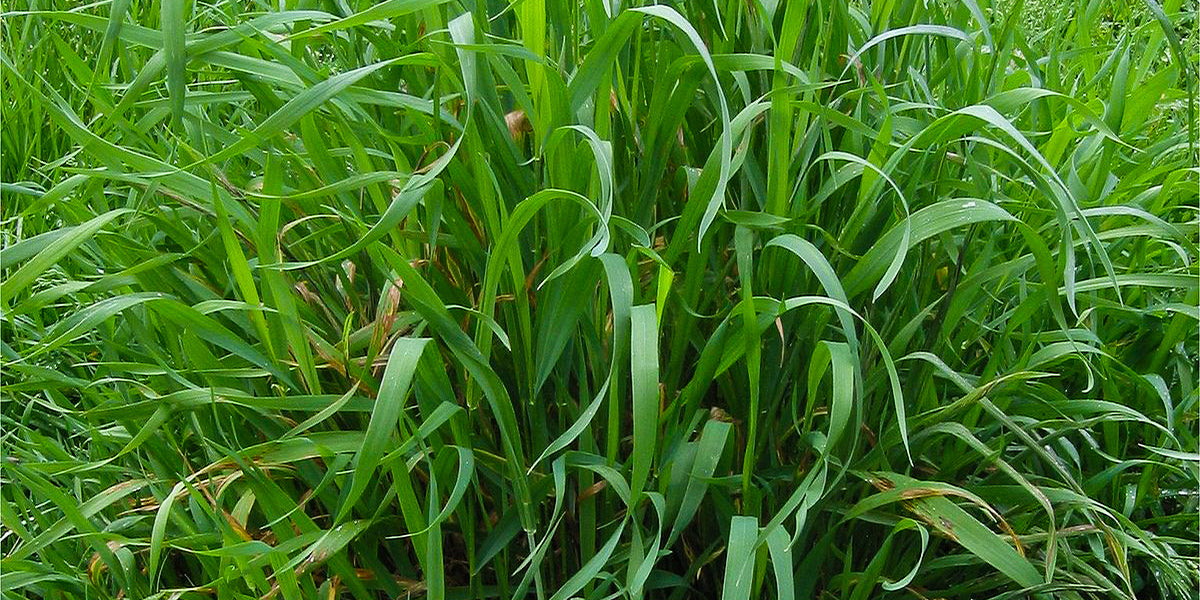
point(556, 299)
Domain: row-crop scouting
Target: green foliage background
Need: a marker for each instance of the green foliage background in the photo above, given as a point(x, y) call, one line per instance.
point(599, 299)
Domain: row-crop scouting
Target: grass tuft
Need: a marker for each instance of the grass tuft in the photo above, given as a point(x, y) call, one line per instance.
point(837, 299)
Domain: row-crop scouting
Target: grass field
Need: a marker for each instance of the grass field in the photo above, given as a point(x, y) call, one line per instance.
point(553, 299)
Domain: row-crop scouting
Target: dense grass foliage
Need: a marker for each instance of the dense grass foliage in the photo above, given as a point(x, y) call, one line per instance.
point(558, 299)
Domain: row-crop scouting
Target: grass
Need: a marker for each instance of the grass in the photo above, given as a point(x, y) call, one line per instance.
point(441, 298)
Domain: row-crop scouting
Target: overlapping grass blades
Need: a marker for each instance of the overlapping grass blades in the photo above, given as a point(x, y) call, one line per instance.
point(836, 299)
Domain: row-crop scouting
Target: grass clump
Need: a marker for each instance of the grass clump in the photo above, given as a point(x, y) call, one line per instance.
point(345, 299)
